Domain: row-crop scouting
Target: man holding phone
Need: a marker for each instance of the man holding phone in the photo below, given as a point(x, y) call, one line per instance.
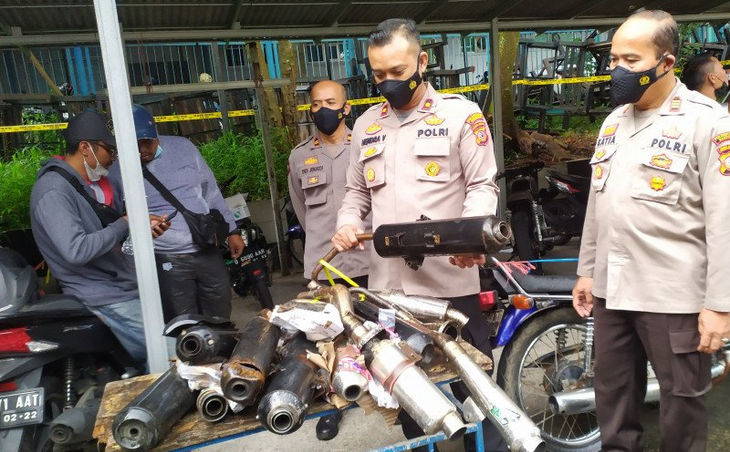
point(79, 232)
point(192, 280)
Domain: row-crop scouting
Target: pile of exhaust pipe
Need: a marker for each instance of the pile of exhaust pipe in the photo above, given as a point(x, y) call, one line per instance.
point(271, 372)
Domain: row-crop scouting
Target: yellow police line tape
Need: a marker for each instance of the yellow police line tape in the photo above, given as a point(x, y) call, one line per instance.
point(305, 107)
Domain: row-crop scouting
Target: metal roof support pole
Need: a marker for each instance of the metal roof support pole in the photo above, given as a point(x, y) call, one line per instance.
point(218, 53)
point(115, 71)
point(262, 122)
point(496, 88)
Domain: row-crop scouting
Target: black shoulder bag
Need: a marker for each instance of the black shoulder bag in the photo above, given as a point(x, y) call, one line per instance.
point(208, 230)
point(107, 215)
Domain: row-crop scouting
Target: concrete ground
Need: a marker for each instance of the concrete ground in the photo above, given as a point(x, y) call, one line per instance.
point(360, 432)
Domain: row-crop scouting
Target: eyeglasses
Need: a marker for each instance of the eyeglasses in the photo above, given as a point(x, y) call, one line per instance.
point(114, 153)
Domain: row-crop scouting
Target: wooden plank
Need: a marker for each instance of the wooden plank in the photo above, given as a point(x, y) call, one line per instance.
point(192, 429)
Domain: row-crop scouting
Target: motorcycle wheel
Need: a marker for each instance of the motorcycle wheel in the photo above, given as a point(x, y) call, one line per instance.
point(296, 249)
point(562, 239)
point(263, 294)
point(524, 238)
point(547, 356)
point(37, 437)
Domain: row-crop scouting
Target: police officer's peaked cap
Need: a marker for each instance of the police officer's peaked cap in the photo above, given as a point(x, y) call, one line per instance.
point(90, 126)
point(144, 123)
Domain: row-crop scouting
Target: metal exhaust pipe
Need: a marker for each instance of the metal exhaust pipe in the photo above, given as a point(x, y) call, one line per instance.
point(518, 430)
point(243, 376)
point(212, 406)
point(204, 344)
point(147, 419)
point(584, 400)
point(419, 342)
point(397, 372)
point(424, 307)
point(348, 380)
point(415, 392)
point(283, 407)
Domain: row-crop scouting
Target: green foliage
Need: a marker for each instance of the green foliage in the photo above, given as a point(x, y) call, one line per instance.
point(50, 138)
point(17, 177)
point(687, 49)
point(243, 157)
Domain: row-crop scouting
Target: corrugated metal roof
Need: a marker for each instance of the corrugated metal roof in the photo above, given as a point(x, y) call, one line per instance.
point(38, 17)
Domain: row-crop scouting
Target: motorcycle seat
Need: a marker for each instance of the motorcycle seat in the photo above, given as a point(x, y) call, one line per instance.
point(580, 182)
point(552, 284)
point(63, 304)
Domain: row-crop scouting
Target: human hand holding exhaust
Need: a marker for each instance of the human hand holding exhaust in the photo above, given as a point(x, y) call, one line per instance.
point(346, 238)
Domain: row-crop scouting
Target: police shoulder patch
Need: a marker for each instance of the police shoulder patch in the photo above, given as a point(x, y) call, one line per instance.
point(721, 137)
point(724, 163)
point(478, 126)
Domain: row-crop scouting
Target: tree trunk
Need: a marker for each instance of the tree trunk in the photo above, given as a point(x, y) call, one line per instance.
point(289, 70)
point(508, 50)
point(261, 72)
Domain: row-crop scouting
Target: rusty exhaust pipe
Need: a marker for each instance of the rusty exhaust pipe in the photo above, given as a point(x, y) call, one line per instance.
point(243, 376)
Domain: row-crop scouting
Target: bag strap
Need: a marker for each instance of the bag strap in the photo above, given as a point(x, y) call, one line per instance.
point(169, 197)
point(75, 183)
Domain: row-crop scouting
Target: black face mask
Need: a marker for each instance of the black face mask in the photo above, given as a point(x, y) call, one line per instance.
point(722, 92)
point(328, 120)
point(400, 92)
point(627, 86)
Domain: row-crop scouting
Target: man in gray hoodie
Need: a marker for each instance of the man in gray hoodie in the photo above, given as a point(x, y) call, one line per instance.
point(80, 234)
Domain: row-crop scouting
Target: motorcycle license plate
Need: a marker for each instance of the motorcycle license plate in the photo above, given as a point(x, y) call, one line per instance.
point(254, 256)
point(23, 407)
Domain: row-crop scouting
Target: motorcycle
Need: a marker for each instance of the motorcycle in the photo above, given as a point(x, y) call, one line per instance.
point(250, 273)
point(546, 365)
point(544, 218)
point(294, 235)
point(56, 356)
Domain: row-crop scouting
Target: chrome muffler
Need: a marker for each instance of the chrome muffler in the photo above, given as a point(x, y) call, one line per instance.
point(583, 400)
point(348, 380)
point(212, 406)
point(397, 372)
point(518, 430)
point(415, 392)
point(424, 307)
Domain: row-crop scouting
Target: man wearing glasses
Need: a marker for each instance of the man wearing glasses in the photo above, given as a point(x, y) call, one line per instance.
point(79, 233)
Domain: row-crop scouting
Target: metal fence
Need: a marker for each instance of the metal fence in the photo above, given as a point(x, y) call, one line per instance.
point(175, 63)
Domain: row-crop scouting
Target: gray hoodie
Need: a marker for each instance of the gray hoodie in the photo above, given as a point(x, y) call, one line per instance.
point(85, 258)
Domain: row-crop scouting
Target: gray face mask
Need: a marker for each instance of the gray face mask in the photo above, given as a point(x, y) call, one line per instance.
point(97, 173)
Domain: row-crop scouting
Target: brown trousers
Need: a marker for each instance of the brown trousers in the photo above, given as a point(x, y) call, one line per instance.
point(623, 342)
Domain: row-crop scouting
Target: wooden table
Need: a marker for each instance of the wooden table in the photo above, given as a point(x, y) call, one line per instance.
point(192, 430)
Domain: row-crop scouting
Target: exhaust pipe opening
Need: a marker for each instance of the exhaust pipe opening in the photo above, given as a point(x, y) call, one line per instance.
point(453, 426)
point(427, 353)
point(61, 434)
point(132, 435)
point(502, 231)
point(352, 393)
point(191, 346)
point(282, 422)
point(239, 389)
point(213, 407)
